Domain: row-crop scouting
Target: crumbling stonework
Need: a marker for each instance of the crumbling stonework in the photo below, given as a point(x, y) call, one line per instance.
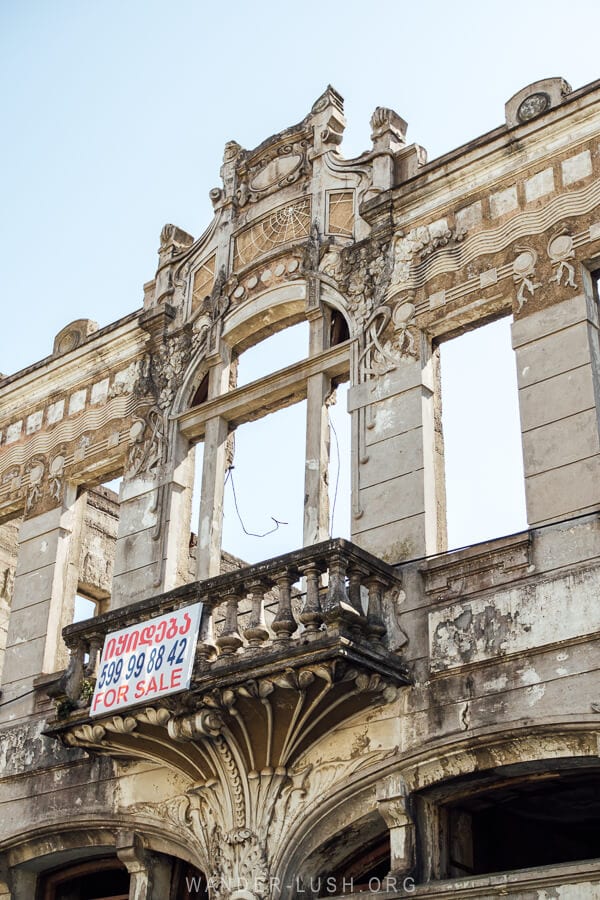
point(365, 717)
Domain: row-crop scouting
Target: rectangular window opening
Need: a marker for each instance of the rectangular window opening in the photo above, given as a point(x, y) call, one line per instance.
point(85, 608)
point(99, 539)
point(485, 485)
point(264, 491)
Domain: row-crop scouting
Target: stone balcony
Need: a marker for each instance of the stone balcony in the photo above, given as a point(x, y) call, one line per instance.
point(287, 649)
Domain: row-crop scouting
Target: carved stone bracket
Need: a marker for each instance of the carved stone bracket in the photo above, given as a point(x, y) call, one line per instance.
point(244, 747)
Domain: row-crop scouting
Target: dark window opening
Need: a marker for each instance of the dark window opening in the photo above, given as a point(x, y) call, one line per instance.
point(552, 818)
point(359, 872)
point(201, 394)
point(188, 883)
point(100, 879)
point(338, 329)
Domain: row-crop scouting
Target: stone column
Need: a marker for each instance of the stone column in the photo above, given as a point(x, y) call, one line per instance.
point(398, 497)
point(558, 367)
point(43, 599)
point(316, 473)
point(391, 795)
point(150, 873)
point(210, 526)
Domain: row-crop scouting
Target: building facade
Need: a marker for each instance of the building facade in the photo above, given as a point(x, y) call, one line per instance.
point(364, 717)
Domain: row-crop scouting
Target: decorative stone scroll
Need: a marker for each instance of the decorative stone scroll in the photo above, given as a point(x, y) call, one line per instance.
point(382, 354)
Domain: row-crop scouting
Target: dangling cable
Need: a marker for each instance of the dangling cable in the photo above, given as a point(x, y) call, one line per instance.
point(337, 476)
point(235, 503)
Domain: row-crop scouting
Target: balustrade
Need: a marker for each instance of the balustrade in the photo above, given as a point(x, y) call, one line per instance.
point(330, 590)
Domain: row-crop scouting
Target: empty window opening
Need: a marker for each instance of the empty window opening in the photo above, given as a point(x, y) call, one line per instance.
point(549, 819)
point(265, 487)
point(114, 485)
point(274, 353)
point(85, 608)
point(485, 485)
point(339, 463)
point(98, 547)
point(106, 879)
point(363, 871)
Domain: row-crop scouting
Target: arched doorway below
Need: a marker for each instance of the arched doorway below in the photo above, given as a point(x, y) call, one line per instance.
point(97, 879)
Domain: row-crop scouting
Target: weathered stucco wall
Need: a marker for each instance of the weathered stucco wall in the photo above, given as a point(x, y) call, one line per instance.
point(376, 694)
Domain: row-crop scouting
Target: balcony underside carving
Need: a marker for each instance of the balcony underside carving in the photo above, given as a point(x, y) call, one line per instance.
point(276, 670)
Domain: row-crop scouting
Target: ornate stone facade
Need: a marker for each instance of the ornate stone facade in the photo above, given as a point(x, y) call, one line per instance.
point(364, 718)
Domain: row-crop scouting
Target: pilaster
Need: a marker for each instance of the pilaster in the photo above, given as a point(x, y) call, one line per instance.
point(43, 599)
point(398, 505)
point(210, 526)
point(558, 358)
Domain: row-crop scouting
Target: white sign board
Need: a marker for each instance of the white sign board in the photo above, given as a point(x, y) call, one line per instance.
point(148, 660)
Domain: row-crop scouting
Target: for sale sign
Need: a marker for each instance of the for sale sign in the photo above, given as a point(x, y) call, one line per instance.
point(146, 661)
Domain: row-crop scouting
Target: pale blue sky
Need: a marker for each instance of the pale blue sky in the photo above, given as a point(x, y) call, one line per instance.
point(115, 115)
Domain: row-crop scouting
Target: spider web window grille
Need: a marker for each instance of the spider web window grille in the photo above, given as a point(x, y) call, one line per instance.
point(281, 226)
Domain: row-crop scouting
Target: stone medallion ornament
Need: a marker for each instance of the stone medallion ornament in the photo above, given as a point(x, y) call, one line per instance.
point(533, 106)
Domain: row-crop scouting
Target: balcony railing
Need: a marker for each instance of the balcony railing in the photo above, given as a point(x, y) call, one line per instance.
point(330, 595)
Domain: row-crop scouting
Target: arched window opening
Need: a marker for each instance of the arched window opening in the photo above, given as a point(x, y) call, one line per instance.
point(273, 353)
point(485, 484)
point(98, 879)
point(108, 879)
point(519, 820)
point(338, 329)
point(365, 870)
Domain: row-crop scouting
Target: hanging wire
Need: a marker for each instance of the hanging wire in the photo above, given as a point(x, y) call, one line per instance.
point(20, 697)
point(337, 476)
point(278, 522)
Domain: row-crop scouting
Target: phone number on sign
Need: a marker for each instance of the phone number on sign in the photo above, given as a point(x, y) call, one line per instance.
point(111, 672)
